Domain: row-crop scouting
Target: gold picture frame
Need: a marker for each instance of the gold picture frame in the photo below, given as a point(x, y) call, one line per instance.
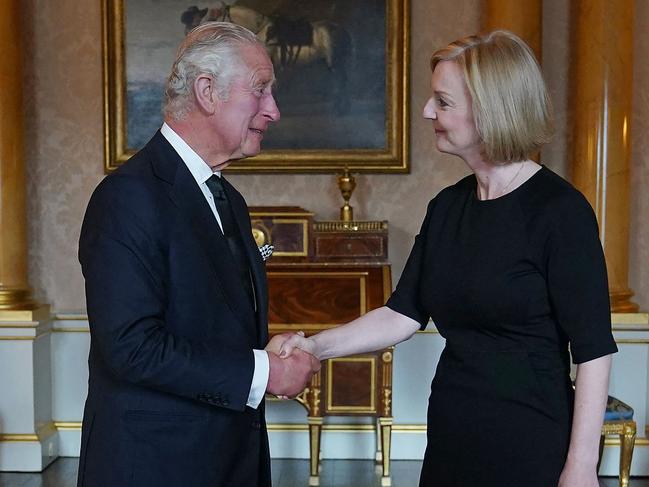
point(386, 122)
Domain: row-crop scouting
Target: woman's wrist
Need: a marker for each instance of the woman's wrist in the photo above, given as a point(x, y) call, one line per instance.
point(316, 346)
point(582, 457)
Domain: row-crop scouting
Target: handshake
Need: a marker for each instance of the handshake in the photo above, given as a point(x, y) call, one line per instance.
point(292, 364)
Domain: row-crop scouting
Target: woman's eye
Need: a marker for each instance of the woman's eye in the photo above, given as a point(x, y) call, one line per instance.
point(441, 102)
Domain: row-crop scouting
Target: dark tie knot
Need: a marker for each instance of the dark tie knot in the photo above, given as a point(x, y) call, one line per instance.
point(215, 186)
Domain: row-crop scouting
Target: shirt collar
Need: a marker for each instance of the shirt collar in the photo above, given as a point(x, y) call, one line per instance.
point(195, 163)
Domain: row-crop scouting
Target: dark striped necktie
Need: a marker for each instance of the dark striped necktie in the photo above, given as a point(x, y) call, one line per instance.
point(231, 232)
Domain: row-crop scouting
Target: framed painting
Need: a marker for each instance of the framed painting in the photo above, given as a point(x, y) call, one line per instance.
point(341, 69)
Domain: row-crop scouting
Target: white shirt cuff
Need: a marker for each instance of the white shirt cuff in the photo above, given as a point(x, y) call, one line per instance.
point(259, 379)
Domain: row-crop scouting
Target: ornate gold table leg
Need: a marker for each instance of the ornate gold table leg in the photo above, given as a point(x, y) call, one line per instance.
point(627, 442)
point(385, 425)
point(315, 431)
point(315, 421)
point(379, 447)
point(384, 433)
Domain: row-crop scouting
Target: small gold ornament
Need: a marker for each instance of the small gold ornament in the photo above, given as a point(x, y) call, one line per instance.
point(346, 183)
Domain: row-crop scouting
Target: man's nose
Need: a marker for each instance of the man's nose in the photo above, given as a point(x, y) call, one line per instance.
point(271, 111)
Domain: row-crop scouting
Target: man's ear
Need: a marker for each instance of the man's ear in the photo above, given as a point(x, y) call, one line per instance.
point(204, 94)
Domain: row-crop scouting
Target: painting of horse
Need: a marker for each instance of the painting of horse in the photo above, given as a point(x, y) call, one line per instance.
point(329, 58)
point(291, 44)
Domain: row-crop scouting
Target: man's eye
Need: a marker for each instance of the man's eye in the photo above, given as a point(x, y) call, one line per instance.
point(441, 102)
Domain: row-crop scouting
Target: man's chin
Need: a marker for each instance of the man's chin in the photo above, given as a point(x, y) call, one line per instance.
point(250, 152)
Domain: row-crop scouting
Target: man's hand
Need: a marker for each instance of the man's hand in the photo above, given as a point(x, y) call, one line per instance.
point(288, 377)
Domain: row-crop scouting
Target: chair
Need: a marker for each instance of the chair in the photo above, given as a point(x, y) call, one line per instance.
point(618, 420)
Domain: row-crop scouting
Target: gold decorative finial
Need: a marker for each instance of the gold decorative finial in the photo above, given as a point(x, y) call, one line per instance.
point(346, 183)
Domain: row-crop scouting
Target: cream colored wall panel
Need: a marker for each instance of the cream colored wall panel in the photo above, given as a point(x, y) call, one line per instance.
point(69, 372)
point(16, 392)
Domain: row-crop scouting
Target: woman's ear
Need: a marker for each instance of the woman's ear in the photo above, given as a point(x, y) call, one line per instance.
point(204, 94)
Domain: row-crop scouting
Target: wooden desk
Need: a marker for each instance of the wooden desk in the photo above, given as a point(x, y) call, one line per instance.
point(322, 275)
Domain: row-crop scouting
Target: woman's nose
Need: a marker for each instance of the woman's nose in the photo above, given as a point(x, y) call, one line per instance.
point(429, 110)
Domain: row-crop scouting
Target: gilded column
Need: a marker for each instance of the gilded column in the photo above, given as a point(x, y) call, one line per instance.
point(14, 288)
point(28, 436)
point(523, 18)
point(602, 91)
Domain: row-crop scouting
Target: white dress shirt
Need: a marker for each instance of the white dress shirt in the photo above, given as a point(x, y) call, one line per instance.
point(201, 173)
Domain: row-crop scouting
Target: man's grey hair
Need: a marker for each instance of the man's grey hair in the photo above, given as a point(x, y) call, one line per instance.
point(212, 49)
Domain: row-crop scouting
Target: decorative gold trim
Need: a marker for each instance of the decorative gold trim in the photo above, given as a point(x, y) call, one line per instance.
point(14, 298)
point(70, 317)
point(394, 158)
point(305, 238)
point(387, 283)
point(256, 214)
point(19, 324)
point(629, 319)
point(409, 428)
point(348, 409)
point(18, 437)
point(68, 425)
point(43, 432)
point(36, 314)
point(615, 441)
point(361, 276)
point(70, 330)
point(39, 334)
point(353, 226)
point(329, 428)
point(430, 329)
point(617, 318)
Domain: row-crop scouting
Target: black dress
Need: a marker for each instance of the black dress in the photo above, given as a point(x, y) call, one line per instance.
point(510, 283)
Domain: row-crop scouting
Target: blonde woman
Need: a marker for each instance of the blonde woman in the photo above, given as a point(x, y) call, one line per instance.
point(509, 266)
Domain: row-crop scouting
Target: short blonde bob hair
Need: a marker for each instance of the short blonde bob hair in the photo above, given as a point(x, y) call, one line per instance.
point(511, 107)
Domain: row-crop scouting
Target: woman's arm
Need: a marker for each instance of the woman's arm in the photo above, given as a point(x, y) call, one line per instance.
point(591, 391)
point(375, 330)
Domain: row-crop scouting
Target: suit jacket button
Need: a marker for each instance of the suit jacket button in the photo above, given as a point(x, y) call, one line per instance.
point(256, 425)
point(225, 402)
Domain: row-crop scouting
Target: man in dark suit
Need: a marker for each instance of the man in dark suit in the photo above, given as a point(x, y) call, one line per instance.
point(176, 288)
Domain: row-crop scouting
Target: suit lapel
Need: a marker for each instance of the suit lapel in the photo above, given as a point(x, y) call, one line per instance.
point(188, 198)
point(257, 267)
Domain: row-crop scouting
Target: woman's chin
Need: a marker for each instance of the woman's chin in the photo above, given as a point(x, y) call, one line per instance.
point(442, 146)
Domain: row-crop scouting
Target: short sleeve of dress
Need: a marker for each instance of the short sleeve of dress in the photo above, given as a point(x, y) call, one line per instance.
point(405, 299)
point(577, 280)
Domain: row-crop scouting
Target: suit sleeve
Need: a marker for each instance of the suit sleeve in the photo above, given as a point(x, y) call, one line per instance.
point(577, 280)
point(124, 267)
point(405, 299)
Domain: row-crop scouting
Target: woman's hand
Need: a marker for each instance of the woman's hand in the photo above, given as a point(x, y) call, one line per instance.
point(297, 340)
point(276, 342)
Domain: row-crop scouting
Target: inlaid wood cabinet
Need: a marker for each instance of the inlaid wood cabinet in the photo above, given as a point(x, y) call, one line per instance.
point(343, 275)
